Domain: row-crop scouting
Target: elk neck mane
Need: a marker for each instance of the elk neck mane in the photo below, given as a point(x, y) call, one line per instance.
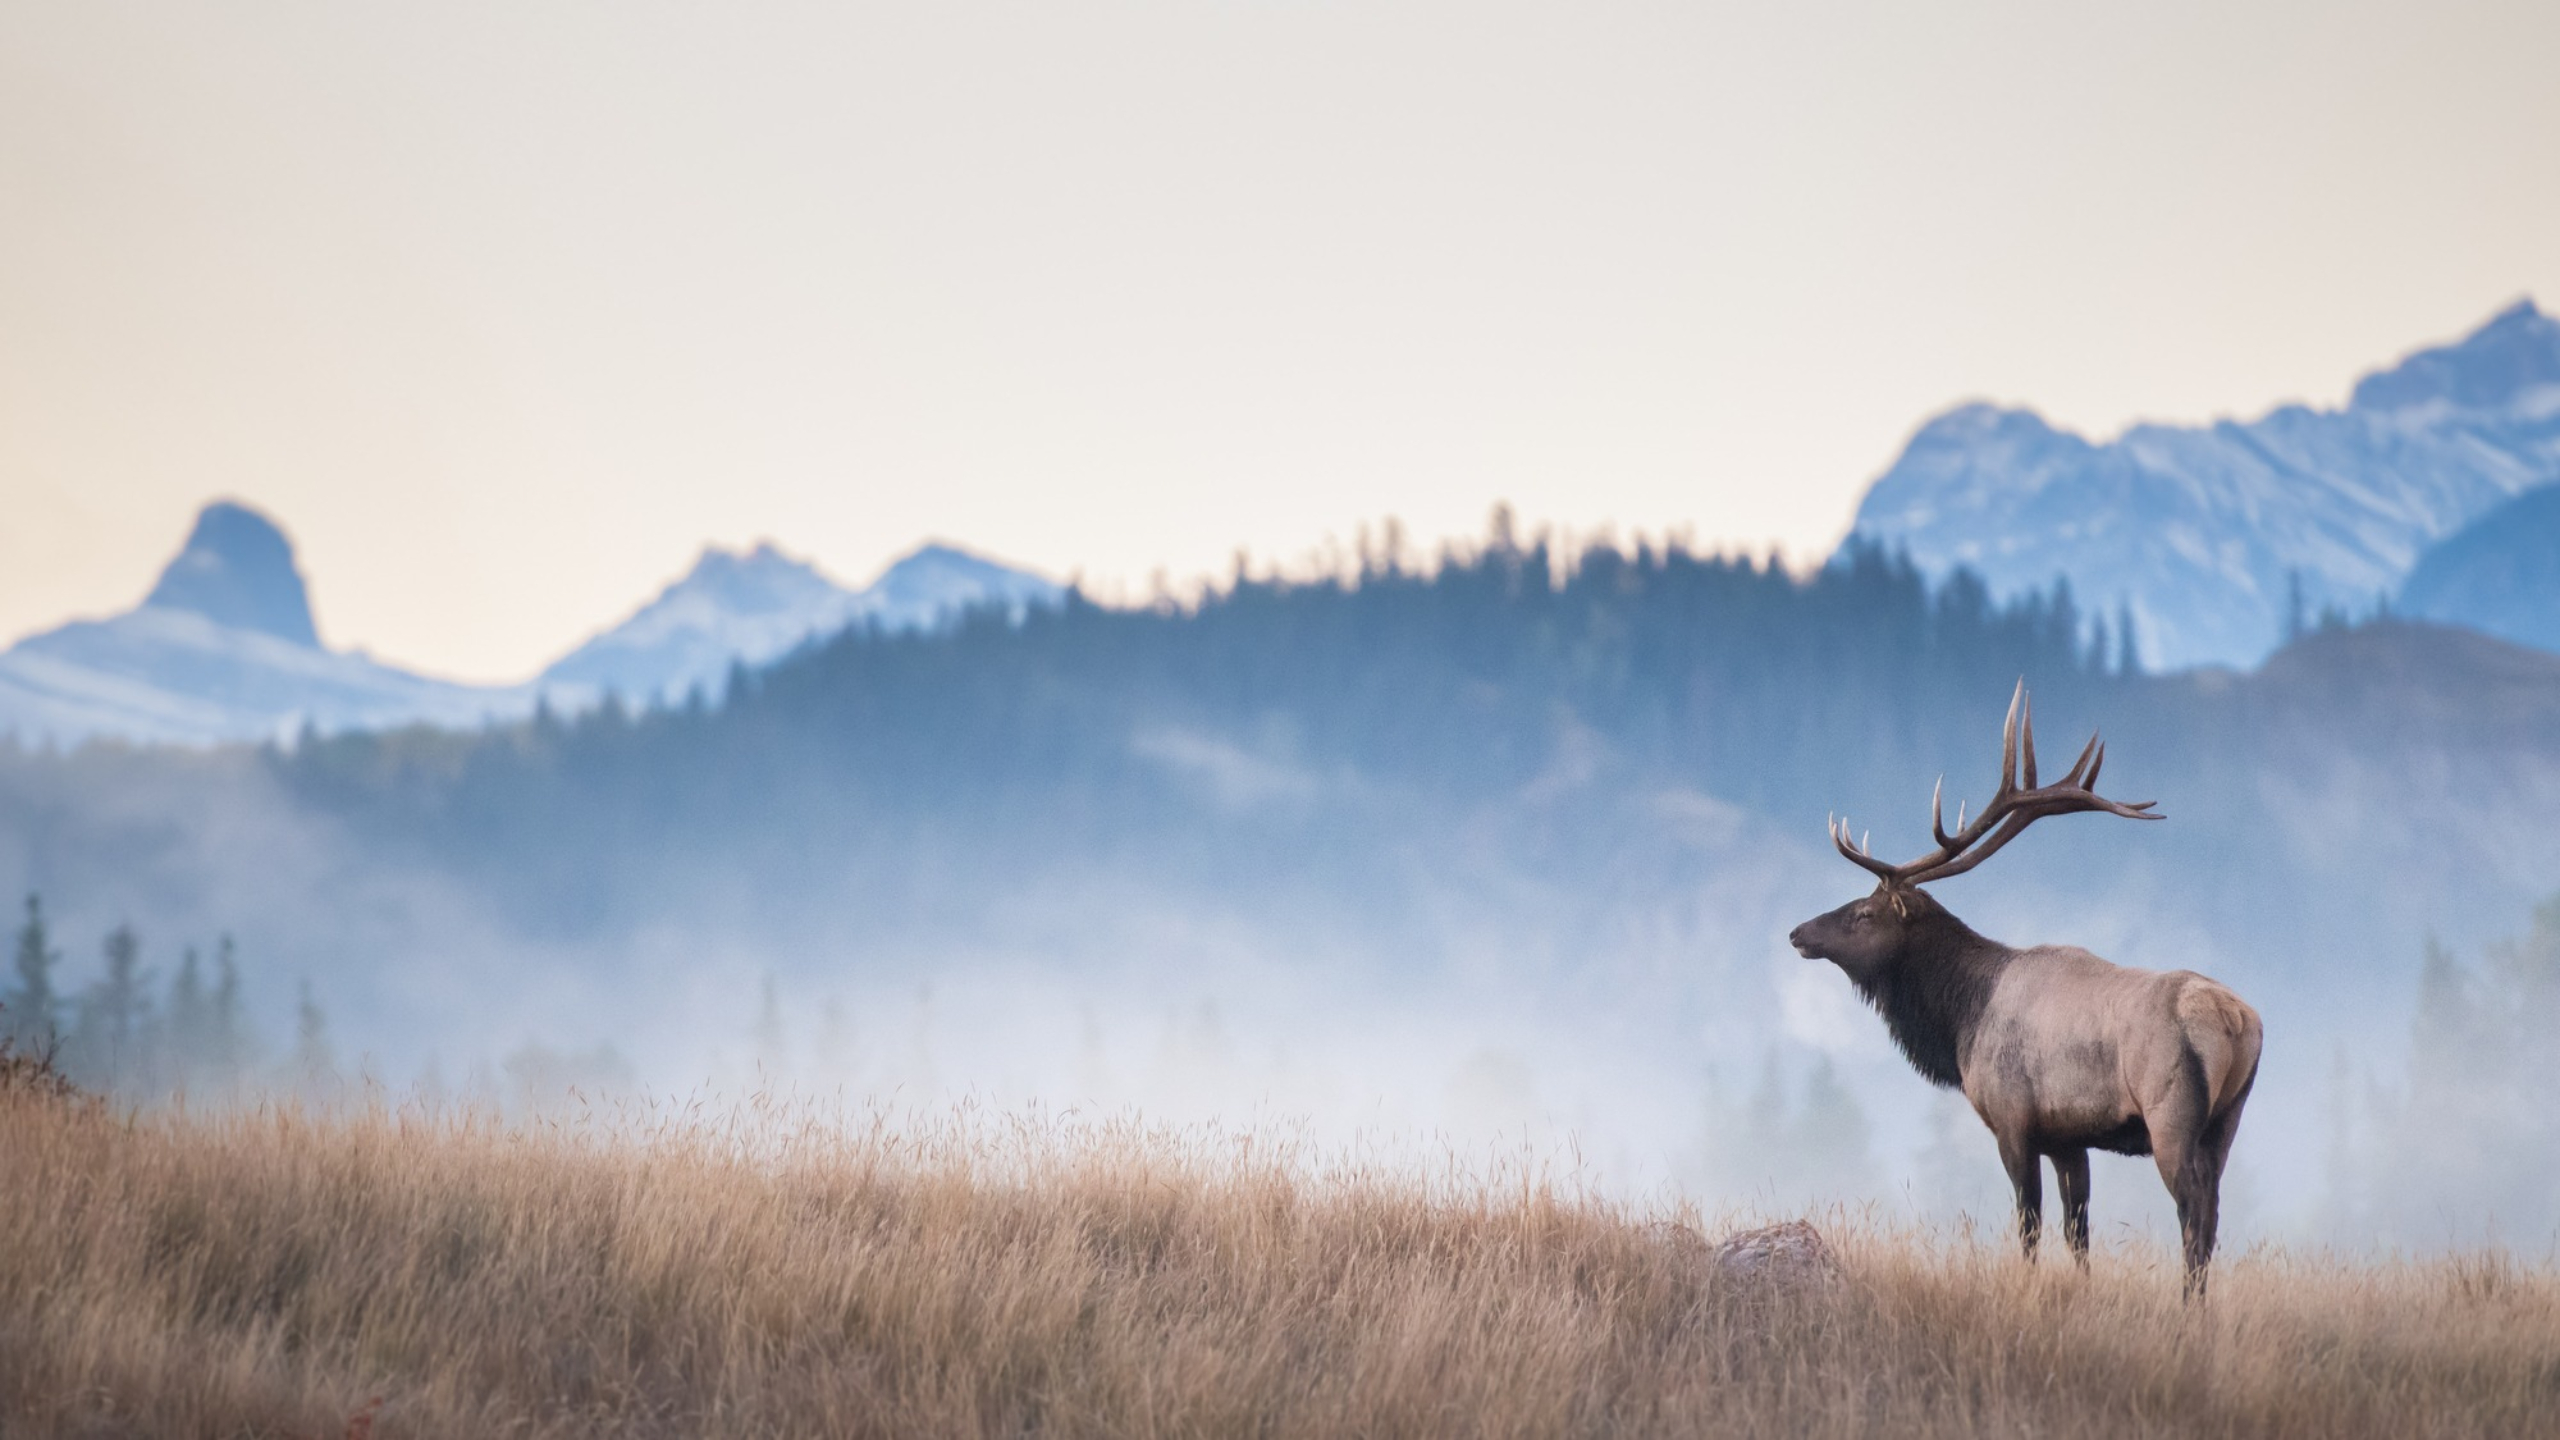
point(1933, 994)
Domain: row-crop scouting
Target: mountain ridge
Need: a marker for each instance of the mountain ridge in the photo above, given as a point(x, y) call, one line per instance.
point(755, 606)
point(223, 648)
point(2203, 531)
point(2213, 539)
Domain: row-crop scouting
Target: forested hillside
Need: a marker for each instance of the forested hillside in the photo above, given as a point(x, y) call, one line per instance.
point(1282, 719)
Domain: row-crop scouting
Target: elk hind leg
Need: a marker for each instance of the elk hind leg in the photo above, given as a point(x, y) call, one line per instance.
point(2212, 1153)
point(2189, 1165)
point(2071, 1174)
point(2026, 1181)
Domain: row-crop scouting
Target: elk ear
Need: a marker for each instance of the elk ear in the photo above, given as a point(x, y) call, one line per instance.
point(1900, 899)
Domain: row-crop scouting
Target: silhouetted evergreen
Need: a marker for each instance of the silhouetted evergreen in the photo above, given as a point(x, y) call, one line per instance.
point(229, 1046)
point(315, 1060)
point(197, 1042)
point(112, 1043)
point(34, 1017)
point(189, 1048)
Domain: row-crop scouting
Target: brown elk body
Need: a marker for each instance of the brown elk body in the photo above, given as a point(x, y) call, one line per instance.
point(2058, 1051)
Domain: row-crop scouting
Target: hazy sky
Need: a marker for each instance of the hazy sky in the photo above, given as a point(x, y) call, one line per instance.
point(505, 309)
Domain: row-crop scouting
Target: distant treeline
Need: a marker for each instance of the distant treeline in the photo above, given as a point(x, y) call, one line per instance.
point(1725, 669)
point(2474, 1128)
point(1213, 734)
point(1337, 746)
point(127, 1033)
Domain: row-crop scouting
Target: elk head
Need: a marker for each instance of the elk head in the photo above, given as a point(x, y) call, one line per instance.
point(1870, 934)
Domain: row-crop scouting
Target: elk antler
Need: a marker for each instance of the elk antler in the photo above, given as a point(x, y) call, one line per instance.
point(2018, 803)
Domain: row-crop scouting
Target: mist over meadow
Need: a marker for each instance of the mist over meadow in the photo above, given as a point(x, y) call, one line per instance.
point(1491, 848)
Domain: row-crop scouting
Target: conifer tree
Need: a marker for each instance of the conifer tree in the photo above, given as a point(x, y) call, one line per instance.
point(187, 1030)
point(315, 1062)
point(228, 1050)
point(2444, 1028)
point(112, 1015)
point(2062, 617)
point(34, 1017)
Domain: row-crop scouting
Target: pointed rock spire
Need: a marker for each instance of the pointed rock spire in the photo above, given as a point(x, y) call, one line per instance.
point(237, 569)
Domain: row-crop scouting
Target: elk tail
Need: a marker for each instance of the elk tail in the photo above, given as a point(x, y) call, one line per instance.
point(2226, 1036)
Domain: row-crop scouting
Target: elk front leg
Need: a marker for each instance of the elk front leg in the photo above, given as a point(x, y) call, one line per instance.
point(2071, 1172)
point(2026, 1179)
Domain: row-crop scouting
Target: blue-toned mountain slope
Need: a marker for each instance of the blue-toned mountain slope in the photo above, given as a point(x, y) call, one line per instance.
point(2203, 530)
point(2499, 574)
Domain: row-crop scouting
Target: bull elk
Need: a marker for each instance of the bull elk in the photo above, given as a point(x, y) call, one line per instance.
point(2058, 1051)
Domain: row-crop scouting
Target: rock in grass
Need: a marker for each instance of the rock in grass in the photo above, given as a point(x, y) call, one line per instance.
point(1792, 1253)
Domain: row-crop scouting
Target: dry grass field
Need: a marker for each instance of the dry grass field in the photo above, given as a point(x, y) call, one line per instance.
point(386, 1275)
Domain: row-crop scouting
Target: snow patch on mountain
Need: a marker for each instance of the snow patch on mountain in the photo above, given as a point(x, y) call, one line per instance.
point(2203, 531)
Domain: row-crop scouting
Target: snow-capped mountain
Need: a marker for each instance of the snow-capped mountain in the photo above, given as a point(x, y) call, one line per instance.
point(2500, 574)
point(936, 583)
point(222, 649)
point(743, 608)
point(2204, 530)
point(756, 607)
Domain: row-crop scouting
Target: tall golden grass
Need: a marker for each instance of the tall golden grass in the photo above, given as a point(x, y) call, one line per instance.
point(389, 1274)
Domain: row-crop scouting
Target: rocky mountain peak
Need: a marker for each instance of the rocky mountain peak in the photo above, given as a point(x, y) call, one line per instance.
point(2514, 355)
point(762, 580)
point(2204, 533)
point(237, 569)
